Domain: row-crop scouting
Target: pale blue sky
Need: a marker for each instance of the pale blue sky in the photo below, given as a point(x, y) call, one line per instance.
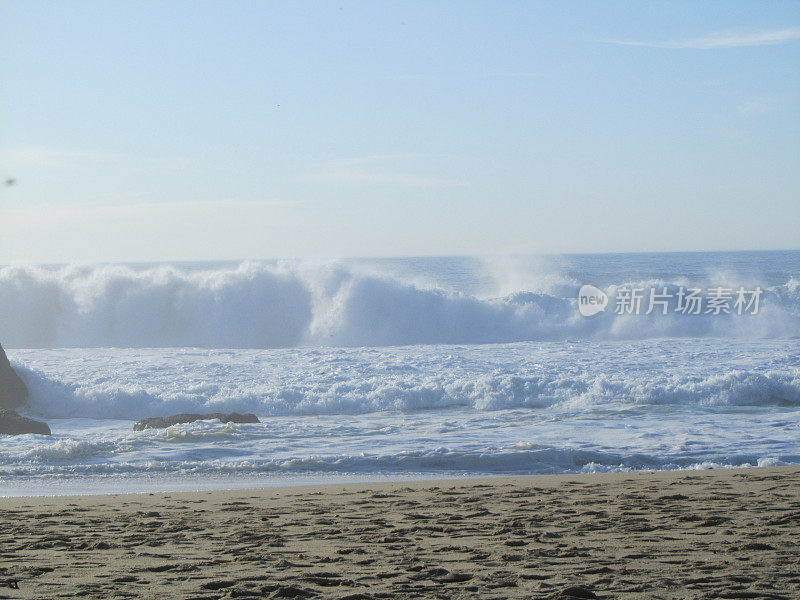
point(220, 130)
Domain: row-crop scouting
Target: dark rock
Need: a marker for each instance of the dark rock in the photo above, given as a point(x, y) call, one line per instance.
point(13, 391)
point(12, 423)
point(162, 422)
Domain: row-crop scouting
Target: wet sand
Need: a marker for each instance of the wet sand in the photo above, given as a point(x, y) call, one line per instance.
point(690, 534)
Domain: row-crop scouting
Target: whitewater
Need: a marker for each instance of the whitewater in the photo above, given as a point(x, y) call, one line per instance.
point(394, 369)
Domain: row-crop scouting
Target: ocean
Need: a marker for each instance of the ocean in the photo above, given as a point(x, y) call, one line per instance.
point(404, 368)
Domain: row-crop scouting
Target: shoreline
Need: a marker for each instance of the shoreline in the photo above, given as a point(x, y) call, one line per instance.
point(317, 482)
point(667, 534)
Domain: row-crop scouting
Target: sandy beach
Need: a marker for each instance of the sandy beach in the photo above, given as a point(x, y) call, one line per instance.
point(688, 534)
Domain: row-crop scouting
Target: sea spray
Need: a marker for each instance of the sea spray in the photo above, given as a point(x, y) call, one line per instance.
point(269, 305)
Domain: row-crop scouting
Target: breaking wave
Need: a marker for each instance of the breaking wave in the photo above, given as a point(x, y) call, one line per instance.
point(260, 305)
point(487, 392)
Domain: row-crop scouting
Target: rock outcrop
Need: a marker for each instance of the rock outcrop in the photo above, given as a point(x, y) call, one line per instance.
point(162, 422)
point(12, 423)
point(13, 391)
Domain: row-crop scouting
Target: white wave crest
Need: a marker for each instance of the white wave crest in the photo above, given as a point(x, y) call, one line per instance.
point(258, 305)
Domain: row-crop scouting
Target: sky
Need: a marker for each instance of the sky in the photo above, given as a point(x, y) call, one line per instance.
point(169, 130)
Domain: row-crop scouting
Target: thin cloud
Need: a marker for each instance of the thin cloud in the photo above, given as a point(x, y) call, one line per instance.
point(385, 169)
point(52, 157)
point(384, 159)
point(756, 106)
point(461, 77)
point(91, 213)
point(48, 157)
point(731, 39)
point(363, 176)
